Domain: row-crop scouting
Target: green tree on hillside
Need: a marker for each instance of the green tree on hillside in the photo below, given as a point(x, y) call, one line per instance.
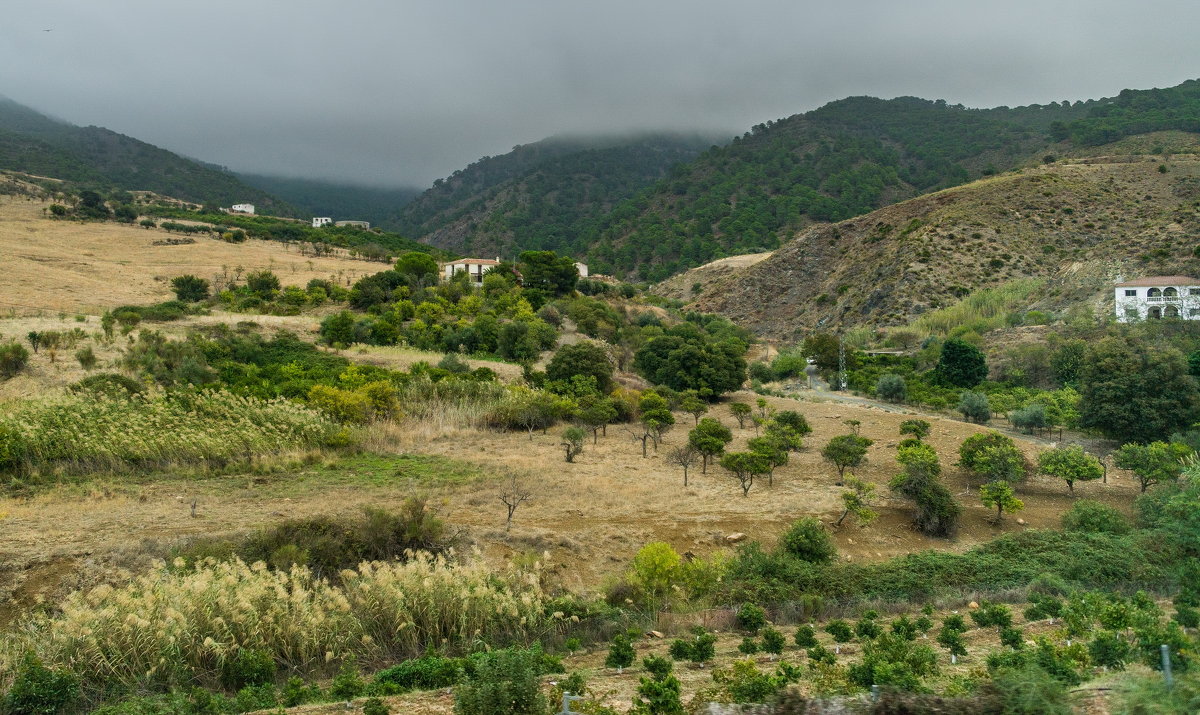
point(416, 264)
point(189, 288)
point(1070, 464)
point(1154, 463)
point(847, 450)
point(992, 456)
point(1001, 496)
point(1135, 392)
point(709, 437)
point(961, 364)
point(585, 358)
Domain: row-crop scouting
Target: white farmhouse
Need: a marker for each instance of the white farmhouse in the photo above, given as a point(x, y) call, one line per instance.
point(473, 267)
point(319, 221)
point(242, 208)
point(1158, 297)
point(582, 268)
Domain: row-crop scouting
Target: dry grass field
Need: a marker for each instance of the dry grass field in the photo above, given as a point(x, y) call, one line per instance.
point(54, 265)
point(591, 516)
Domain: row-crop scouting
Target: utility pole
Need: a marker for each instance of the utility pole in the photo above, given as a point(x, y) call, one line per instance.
point(841, 362)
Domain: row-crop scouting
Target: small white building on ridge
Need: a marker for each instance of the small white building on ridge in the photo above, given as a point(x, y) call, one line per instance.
point(242, 208)
point(1157, 297)
point(473, 267)
point(319, 221)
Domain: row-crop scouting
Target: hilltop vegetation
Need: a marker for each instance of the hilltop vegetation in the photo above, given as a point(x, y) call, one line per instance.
point(97, 158)
point(1077, 227)
point(341, 201)
point(549, 195)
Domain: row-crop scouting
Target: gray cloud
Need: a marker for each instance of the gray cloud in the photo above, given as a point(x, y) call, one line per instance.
point(403, 92)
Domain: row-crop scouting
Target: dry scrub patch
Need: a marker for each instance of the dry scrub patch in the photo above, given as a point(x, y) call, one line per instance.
point(53, 265)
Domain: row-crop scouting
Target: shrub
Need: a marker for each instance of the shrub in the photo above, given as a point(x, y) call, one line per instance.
point(960, 364)
point(585, 358)
point(805, 637)
point(1029, 689)
point(503, 682)
point(347, 406)
point(1095, 517)
point(993, 457)
point(773, 641)
point(893, 661)
point(189, 289)
point(425, 673)
point(13, 358)
point(892, 388)
point(38, 690)
point(375, 706)
point(992, 614)
point(620, 652)
point(1029, 418)
point(86, 357)
point(1012, 637)
point(1109, 649)
point(246, 667)
point(840, 630)
point(654, 568)
point(974, 407)
point(751, 617)
point(748, 646)
point(808, 540)
point(745, 683)
point(659, 693)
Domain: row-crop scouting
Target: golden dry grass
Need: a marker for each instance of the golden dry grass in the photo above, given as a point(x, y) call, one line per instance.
point(592, 516)
point(54, 265)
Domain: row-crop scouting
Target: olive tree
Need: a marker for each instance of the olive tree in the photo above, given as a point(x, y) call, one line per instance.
point(1070, 464)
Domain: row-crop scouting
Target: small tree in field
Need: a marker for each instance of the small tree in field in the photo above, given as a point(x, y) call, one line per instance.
point(572, 441)
point(744, 467)
point(917, 429)
point(794, 421)
point(891, 387)
point(594, 414)
point(189, 288)
point(513, 495)
point(1152, 463)
point(951, 639)
point(741, 412)
point(847, 450)
point(685, 456)
point(1000, 496)
point(857, 501)
point(975, 407)
point(709, 437)
point(620, 653)
point(655, 419)
point(1070, 464)
point(694, 406)
point(993, 457)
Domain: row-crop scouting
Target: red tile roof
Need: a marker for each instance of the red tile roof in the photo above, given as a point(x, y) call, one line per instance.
point(1160, 281)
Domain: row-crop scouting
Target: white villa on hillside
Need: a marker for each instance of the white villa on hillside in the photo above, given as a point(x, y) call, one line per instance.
point(242, 209)
point(1158, 297)
point(582, 268)
point(473, 267)
point(319, 221)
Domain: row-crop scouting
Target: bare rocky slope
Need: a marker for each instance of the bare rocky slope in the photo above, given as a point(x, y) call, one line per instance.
point(1080, 223)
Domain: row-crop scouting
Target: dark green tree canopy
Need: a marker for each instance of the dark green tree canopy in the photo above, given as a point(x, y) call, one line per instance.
point(546, 275)
point(686, 358)
point(961, 364)
point(1136, 393)
point(416, 264)
point(584, 358)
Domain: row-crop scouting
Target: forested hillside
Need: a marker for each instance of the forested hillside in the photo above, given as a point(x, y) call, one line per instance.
point(548, 195)
point(341, 201)
point(94, 157)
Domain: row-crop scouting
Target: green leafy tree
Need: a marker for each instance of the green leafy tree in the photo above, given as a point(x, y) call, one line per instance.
point(807, 539)
point(545, 275)
point(657, 694)
point(694, 406)
point(655, 419)
point(1000, 496)
point(794, 421)
point(847, 450)
point(620, 653)
point(263, 284)
point(805, 637)
point(952, 640)
point(1070, 464)
point(741, 412)
point(572, 442)
point(772, 641)
point(975, 407)
point(709, 437)
point(744, 467)
point(1154, 463)
point(338, 329)
point(936, 512)
point(857, 501)
point(892, 388)
point(894, 662)
point(655, 568)
point(584, 358)
point(594, 413)
point(1135, 392)
point(960, 364)
point(774, 449)
point(840, 630)
point(992, 456)
point(915, 428)
point(417, 264)
point(504, 682)
point(189, 289)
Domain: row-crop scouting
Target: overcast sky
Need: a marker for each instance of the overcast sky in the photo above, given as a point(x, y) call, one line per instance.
point(401, 92)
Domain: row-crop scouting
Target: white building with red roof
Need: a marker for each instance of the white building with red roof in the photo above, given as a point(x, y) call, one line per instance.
point(1157, 297)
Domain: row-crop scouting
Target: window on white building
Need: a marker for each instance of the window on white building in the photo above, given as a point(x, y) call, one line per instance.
point(1131, 291)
